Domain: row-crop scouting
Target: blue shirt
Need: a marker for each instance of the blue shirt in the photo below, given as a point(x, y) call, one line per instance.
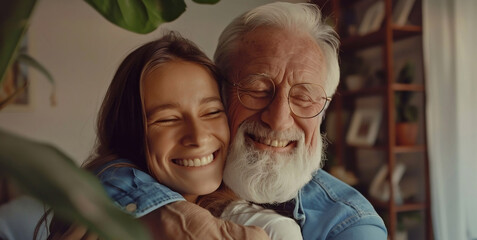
point(326, 207)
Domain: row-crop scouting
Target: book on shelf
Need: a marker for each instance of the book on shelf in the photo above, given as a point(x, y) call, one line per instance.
point(401, 11)
point(372, 19)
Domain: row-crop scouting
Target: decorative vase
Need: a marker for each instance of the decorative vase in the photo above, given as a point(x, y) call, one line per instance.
point(406, 133)
point(354, 82)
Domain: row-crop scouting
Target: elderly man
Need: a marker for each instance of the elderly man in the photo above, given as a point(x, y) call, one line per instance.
point(281, 68)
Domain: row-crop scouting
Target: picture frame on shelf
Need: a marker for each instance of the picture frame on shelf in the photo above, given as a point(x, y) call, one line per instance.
point(379, 187)
point(364, 127)
point(372, 19)
point(17, 82)
point(401, 11)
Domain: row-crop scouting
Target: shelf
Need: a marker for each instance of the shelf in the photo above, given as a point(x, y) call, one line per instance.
point(408, 87)
point(410, 149)
point(377, 38)
point(400, 32)
point(406, 207)
point(396, 149)
point(381, 90)
point(376, 148)
point(363, 92)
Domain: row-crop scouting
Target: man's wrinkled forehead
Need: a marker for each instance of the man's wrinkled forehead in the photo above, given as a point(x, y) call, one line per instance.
point(277, 51)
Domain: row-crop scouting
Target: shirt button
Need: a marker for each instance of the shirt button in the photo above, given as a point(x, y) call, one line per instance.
point(131, 207)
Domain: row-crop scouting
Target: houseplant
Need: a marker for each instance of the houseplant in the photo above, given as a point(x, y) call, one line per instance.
point(406, 113)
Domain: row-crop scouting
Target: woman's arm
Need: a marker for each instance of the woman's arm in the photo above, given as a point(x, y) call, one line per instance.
point(184, 220)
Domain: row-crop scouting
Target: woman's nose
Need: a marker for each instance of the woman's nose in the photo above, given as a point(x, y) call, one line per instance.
point(195, 134)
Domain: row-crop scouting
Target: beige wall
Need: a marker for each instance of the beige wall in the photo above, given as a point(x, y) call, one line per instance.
point(82, 51)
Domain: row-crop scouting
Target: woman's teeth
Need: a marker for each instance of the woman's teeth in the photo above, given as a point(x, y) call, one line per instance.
point(196, 162)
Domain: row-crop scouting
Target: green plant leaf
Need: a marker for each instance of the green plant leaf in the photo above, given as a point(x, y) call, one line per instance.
point(206, 1)
point(31, 62)
point(410, 113)
point(75, 194)
point(14, 20)
point(140, 16)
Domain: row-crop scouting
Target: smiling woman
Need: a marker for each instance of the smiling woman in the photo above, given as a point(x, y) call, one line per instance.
point(187, 132)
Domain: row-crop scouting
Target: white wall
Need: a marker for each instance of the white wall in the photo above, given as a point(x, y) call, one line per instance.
point(82, 50)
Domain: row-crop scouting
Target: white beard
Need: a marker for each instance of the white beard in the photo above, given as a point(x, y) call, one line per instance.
point(262, 176)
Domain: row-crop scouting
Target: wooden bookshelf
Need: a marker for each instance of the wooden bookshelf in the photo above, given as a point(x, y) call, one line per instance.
point(386, 39)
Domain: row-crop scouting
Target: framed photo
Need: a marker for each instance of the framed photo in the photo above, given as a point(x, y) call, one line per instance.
point(17, 78)
point(372, 19)
point(379, 188)
point(364, 127)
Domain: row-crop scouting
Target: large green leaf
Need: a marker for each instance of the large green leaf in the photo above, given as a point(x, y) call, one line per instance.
point(75, 194)
point(14, 19)
point(140, 16)
point(206, 1)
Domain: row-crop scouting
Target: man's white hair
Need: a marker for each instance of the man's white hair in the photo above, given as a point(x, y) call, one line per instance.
point(304, 17)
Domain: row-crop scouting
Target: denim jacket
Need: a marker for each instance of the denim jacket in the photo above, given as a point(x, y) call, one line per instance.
point(330, 209)
point(326, 207)
point(135, 191)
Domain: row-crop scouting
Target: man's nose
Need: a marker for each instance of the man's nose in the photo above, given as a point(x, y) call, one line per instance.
point(278, 115)
point(195, 134)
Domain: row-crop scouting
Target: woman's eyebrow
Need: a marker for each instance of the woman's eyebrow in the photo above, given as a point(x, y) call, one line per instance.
point(161, 108)
point(174, 106)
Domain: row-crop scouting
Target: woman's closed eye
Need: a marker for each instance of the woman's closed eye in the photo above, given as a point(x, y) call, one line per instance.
point(167, 120)
point(213, 113)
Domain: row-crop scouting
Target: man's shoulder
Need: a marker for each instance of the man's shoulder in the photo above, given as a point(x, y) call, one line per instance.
point(343, 207)
point(336, 193)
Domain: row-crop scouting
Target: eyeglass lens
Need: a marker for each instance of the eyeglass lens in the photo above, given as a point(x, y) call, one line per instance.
point(306, 100)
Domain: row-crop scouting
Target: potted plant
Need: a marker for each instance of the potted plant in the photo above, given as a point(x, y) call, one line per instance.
point(406, 113)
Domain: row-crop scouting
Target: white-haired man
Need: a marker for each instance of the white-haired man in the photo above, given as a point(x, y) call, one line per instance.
point(281, 68)
point(280, 62)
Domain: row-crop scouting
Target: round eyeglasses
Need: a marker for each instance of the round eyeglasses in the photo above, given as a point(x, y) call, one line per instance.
point(257, 91)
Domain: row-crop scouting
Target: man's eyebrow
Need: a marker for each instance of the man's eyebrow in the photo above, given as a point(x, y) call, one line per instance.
point(210, 99)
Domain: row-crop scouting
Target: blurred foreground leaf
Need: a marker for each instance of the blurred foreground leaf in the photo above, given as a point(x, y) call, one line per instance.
point(75, 194)
point(206, 1)
point(14, 20)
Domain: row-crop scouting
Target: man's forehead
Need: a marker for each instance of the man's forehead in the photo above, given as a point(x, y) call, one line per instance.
point(275, 42)
point(278, 52)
